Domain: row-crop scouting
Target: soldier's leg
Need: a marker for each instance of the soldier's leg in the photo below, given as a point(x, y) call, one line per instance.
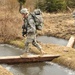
point(34, 42)
point(28, 41)
point(26, 46)
point(36, 45)
point(26, 51)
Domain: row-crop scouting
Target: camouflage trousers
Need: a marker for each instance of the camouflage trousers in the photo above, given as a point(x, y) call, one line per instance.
point(31, 38)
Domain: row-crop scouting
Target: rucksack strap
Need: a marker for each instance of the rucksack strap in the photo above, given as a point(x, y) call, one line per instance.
point(34, 17)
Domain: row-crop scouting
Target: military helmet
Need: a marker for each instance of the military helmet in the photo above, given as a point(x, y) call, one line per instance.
point(24, 11)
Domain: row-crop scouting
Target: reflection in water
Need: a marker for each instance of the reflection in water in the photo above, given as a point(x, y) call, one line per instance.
point(43, 68)
point(27, 68)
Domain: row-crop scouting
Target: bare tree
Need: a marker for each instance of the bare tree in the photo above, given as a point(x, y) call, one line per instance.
point(21, 2)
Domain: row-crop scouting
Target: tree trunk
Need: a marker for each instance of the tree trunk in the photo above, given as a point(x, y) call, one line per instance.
point(20, 7)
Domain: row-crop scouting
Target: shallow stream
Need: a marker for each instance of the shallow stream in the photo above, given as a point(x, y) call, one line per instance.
point(53, 40)
point(42, 68)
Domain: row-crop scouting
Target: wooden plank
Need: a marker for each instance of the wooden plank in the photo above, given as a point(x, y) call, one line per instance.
point(29, 58)
point(71, 42)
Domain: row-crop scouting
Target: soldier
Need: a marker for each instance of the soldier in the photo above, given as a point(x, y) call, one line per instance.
point(29, 25)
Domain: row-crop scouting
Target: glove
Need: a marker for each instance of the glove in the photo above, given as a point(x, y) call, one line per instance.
point(24, 30)
point(24, 33)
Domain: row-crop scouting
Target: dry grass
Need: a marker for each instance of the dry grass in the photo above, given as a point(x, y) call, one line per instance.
point(4, 71)
point(10, 20)
point(58, 25)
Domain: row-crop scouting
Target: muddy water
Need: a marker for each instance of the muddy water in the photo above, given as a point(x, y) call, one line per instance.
point(43, 68)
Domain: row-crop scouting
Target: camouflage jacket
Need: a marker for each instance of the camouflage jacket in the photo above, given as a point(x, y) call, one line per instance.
point(30, 24)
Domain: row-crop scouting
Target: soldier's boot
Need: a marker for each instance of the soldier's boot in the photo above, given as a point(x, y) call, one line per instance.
point(26, 52)
point(43, 52)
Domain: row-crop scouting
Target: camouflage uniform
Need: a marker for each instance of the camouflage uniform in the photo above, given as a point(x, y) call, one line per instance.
point(31, 33)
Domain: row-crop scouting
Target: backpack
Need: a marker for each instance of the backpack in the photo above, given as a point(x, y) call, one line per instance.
point(38, 19)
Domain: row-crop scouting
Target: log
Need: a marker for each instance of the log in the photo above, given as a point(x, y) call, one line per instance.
point(29, 58)
point(71, 42)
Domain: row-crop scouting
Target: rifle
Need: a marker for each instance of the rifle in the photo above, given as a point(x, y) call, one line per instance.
point(24, 30)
